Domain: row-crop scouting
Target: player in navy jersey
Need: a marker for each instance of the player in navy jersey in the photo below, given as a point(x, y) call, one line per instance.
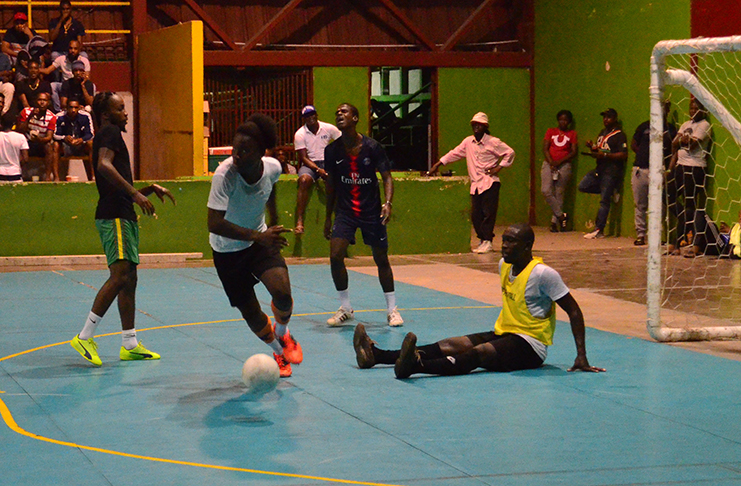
point(353, 195)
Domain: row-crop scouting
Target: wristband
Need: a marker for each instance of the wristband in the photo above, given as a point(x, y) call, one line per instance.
point(388, 203)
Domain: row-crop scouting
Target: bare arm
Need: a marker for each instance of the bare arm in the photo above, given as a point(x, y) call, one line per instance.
point(218, 225)
point(547, 152)
point(576, 318)
point(330, 198)
point(107, 170)
point(8, 49)
point(388, 191)
point(24, 156)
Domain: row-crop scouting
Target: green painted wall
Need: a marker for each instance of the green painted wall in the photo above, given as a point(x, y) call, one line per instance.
point(574, 43)
point(335, 85)
point(504, 95)
point(58, 219)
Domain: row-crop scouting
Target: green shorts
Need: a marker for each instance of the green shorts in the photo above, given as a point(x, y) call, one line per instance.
point(120, 238)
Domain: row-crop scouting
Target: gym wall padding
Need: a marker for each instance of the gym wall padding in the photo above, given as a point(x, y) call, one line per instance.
point(335, 85)
point(429, 216)
point(170, 81)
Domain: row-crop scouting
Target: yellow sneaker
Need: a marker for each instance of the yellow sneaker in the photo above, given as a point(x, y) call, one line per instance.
point(139, 352)
point(88, 349)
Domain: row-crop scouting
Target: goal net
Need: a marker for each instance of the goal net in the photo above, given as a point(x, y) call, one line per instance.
point(693, 208)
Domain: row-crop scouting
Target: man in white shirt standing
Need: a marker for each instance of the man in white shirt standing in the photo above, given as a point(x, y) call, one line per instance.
point(309, 142)
point(13, 150)
point(485, 157)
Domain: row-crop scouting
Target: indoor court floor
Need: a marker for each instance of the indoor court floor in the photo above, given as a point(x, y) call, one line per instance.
point(661, 414)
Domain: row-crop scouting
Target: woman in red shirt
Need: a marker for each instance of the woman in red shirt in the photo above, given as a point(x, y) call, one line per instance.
point(559, 149)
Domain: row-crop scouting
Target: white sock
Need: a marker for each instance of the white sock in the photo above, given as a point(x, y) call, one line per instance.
point(277, 348)
point(91, 324)
point(344, 299)
point(280, 329)
point(128, 339)
point(390, 300)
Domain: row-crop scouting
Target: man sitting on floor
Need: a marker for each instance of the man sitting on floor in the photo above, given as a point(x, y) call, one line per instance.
point(521, 335)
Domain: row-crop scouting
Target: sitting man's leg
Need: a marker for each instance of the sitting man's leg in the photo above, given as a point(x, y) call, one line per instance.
point(306, 179)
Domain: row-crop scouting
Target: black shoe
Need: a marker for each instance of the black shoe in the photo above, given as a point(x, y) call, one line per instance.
point(554, 228)
point(563, 221)
point(408, 358)
point(640, 241)
point(363, 348)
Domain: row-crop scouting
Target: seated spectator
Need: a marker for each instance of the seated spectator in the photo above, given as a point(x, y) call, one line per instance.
point(6, 81)
point(78, 88)
point(28, 89)
point(38, 124)
point(64, 29)
point(13, 150)
point(64, 65)
point(16, 38)
point(281, 156)
point(74, 135)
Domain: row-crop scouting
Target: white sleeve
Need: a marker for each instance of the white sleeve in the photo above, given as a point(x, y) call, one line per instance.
point(334, 132)
point(551, 283)
point(218, 198)
point(298, 140)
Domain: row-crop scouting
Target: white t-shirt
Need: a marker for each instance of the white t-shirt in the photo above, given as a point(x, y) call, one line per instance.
point(695, 157)
point(11, 144)
point(544, 286)
point(314, 144)
point(244, 203)
point(65, 66)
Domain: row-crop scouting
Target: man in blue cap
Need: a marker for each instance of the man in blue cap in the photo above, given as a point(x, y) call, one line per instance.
point(309, 142)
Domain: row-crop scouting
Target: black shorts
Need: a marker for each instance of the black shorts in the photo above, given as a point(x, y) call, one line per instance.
point(513, 352)
point(374, 233)
point(239, 271)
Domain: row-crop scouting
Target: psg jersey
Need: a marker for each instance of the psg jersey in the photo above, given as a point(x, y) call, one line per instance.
point(355, 181)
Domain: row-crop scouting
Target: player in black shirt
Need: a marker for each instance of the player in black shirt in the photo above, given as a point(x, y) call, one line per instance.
point(354, 196)
point(118, 227)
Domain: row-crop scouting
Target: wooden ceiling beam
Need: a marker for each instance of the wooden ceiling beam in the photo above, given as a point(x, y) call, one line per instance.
point(364, 58)
point(408, 24)
point(268, 27)
point(211, 24)
point(465, 26)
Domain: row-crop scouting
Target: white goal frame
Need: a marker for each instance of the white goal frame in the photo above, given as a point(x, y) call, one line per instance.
point(661, 77)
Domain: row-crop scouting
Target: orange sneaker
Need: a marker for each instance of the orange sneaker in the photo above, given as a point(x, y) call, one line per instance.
point(283, 365)
point(291, 348)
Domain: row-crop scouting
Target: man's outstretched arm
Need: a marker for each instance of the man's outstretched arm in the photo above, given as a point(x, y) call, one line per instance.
point(576, 318)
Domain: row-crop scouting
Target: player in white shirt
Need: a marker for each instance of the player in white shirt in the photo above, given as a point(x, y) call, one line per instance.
point(13, 150)
point(245, 250)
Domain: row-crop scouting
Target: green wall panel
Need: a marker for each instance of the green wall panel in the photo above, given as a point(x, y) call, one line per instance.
point(591, 55)
point(429, 216)
point(504, 95)
point(335, 85)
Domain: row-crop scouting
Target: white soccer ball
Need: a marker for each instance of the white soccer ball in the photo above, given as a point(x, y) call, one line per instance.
point(260, 374)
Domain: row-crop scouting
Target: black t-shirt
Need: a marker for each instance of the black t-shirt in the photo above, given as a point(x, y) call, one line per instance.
point(31, 90)
point(72, 90)
point(61, 43)
point(113, 203)
point(12, 36)
point(612, 141)
point(642, 138)
point(355, 181)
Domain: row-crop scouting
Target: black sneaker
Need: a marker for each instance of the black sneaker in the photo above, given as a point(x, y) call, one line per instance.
point(408, 358)
point(554, 227)
point(363, 348)
point(640, 241)
point(563, 221)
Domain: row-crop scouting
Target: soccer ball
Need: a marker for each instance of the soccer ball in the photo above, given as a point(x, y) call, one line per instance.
point(260, 374)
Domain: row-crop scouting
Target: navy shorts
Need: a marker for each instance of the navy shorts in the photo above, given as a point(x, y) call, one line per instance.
point(239, 271)
point(311, 172)
point(374, 233)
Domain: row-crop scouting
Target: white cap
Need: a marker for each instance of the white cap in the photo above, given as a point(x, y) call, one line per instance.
point(480, 117)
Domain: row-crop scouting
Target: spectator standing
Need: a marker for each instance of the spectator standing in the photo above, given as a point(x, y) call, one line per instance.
point(485, 157)
point(689, 150)
point(309, 142)
point(639, 180)
point(78, 87)
point(611, 152)
point(13, 150)
point(559, 148)
point(16, 39)
point(7, 88)
point(28, 89)
point(38, 124)
point(64, 29)
point(74, 135)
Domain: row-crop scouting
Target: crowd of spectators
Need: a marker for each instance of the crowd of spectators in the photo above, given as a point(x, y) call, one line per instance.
point(47, 95)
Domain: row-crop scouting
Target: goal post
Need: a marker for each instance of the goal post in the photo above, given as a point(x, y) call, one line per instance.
point(681, 63)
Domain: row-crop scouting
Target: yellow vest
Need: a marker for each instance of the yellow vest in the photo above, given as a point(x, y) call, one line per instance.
point(515, 316)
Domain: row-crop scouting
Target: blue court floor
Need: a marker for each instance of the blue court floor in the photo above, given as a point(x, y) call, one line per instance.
point(660, 415)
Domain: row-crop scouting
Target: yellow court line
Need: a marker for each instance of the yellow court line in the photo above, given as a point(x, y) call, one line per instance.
point(11, 423)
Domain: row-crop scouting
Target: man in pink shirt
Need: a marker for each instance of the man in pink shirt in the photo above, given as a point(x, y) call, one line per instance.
point(485, 157)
